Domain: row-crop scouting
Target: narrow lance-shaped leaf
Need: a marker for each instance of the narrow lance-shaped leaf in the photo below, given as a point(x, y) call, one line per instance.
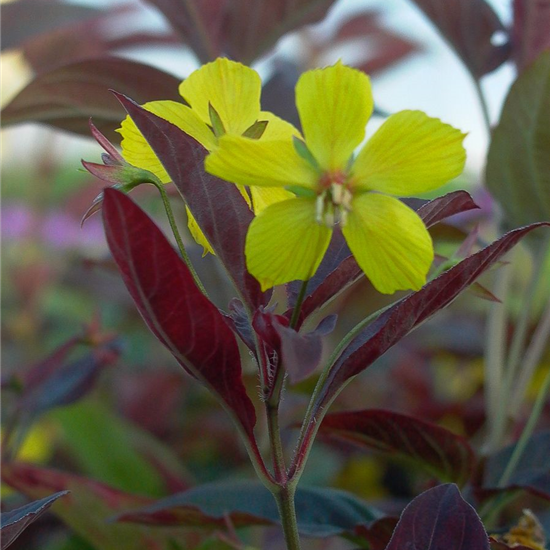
point(410, 312)
point(439, 518)
point(67, 96)
point(15, 522)
point(430, 447)
point(173, 307)
point(218, 207)
point(518, 164)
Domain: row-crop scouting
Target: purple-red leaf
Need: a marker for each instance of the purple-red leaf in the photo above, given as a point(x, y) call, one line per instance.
point(339, 270)
point(87, 508)
point(443, 207)
point(378, 533)
point(244, 29)
point(470, 27)
point(15, 522)
point(173, 307)
point(439, 519)
point(69, 382)
point(28, 18)
point(218, 207)
point(68, 96)
point(531, 30)
point(435, 449)
point(407, 314)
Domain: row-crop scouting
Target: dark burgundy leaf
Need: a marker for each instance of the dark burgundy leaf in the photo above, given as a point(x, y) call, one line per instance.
point(448, 205)
point(69, 95)
point(15, 522)
point(28, 18)
point(378, 533)
point(434, 449)
point(407, 314)
point(218, 207)
point(243, 29)
point(85, 39)
point(69, 382)
point(87, 508)
point(320, 512)
point(470, 26)
point(339, 270)
point(532, 472)
point(439, 519)
point(173, 307)
point(531, 30)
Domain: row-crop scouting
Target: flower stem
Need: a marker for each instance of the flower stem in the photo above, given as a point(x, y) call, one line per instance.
point(287, 512)
point(493, 506)
point(307, 436)
point(298, 305)
point(494, 360)
point(179, 241)
point(482, 103)
point(519, 449)
point(279, 467)
point(532, 359)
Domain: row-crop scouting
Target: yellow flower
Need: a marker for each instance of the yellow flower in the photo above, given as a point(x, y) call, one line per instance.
point(223, 97)
point(411, 153)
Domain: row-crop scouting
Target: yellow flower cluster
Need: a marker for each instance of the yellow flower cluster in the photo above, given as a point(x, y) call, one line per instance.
point(304, 185)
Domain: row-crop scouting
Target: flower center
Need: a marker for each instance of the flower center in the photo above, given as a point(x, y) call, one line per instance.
point(334, 199)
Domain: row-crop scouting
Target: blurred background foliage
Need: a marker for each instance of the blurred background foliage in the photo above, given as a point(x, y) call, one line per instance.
point(87, 389)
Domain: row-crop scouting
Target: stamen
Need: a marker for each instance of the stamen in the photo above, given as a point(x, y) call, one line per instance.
point(320, 207)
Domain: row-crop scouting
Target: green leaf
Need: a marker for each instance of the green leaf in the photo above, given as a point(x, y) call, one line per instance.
point(518, 166)
point(321, 512)
point(104, 446)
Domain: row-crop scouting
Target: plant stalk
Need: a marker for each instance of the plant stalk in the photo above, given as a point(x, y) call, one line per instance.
point(287, 512)
point(298, 305)
point(179, 241)
point(279, 467)
point(519, 449)
point(494, 360)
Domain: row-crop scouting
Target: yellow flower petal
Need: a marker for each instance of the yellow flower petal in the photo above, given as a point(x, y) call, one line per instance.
point(335, 104)
point(262, 197)
point(197, 233)
point(277, 128)
point(410, 153)
point(390, 243)
point(138, 152)
point(260, 162)
point(285, 243)
point(233, 90)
